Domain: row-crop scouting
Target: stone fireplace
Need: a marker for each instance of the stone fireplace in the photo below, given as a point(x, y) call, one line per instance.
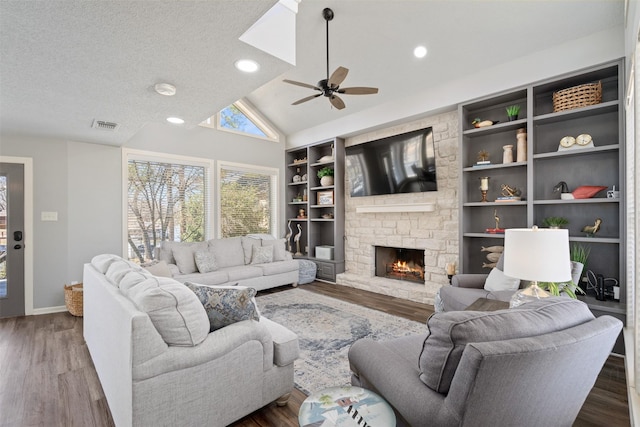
point(426, 222)
point(400, 263)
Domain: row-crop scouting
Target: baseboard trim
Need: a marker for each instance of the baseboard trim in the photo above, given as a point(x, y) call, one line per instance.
point(632, 393)
point(49, 310)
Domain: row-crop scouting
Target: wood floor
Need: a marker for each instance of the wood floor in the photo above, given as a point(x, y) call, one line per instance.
point(47, 377)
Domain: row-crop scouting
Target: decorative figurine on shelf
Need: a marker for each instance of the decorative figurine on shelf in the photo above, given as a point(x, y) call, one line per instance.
point(297, 177)
point(521, 145)
point(451, 270)
point(479, 123)
point(509, 194)
point(483, 158)
point(301, 214)
point(493, 256)
point(507, 155)
point(563, 188)
point(591, 230)
point(296, 238)
point(496, 230)
point(288, 236)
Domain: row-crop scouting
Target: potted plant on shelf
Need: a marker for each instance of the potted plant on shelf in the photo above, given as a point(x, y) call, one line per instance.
point(512, 112)
point(326, 176)
point(579, 254)
point(555, 221)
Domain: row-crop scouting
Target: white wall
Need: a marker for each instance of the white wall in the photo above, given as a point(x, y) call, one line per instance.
point(82, 182)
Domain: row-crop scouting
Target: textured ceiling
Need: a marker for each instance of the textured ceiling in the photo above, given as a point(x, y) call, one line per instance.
point(65, 63)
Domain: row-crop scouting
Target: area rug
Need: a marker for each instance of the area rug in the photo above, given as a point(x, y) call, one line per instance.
point(326, 328)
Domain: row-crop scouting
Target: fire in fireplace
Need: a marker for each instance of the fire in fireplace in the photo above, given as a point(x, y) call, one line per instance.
point(400, 263)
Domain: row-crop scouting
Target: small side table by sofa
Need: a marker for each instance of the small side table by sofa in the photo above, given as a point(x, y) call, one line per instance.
point(345, 407)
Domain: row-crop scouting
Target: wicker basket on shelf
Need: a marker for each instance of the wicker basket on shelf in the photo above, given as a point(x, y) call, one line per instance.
point(73, 298)
point(577, 96)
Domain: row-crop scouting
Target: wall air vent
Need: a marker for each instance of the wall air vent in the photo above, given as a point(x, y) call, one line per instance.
point(101, 124)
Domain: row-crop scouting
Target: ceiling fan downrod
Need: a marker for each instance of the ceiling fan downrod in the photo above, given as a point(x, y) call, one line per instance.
point(328, 16)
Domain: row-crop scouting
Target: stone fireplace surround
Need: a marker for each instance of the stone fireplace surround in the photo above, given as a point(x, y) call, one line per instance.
point(426, 221)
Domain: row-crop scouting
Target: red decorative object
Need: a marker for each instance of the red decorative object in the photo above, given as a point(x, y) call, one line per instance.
point(587, 191)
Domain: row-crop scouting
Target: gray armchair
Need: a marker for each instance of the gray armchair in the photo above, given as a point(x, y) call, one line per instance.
point(533, 365)
point(466, 288)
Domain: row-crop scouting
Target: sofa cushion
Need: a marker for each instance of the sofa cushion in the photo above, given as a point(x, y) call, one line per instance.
point(218, 277)
point(226, 304)
point(184, 254)
point(228, 251)
point(280, 267)
point(279, 248)
point(118, 269)
point(174, 310)
point(158, 268)
point(133, 278)
point(262, 254)
point(103, 261)
point(206, 261)
point(243, 272)
point(165, 251)
point(449, 332)
point(498, 281)
point(247, 247)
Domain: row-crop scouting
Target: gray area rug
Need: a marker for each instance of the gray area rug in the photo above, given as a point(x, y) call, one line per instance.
point(326, 328)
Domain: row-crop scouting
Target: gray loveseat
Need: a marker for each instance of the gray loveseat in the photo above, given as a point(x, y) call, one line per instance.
point(260, 263)
point(533, 365)
point(159, 365)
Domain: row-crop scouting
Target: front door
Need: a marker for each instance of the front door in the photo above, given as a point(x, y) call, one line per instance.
point(11, 239)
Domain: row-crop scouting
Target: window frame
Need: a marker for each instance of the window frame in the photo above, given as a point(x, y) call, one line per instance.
point(143, 155)
point(275, 180)
point(253, 115)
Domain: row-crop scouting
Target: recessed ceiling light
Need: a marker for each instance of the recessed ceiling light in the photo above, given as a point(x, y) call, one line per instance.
point(247, 65)
point(166, 89)
point(420, 52)
point(175, 120)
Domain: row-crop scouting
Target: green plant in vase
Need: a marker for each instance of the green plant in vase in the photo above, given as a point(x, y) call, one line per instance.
point(555, 221)
point(578, 253)
point(512, 112)
point(326, 176)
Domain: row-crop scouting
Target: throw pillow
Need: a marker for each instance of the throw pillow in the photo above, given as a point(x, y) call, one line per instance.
point(262, 254)
point(206, 262)
point(498, 281)
point(451, 331)
point(279, 249)
point(184, 256)
point(159, 269)
point(226, 305)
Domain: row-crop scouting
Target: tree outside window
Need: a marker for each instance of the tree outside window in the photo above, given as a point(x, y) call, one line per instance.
point(165, 202)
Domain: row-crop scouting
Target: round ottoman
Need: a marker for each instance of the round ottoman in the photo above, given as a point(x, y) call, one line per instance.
point(306, 271)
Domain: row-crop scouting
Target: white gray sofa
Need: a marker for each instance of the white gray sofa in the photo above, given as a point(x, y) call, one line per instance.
point(233, 260)
point(157, 361)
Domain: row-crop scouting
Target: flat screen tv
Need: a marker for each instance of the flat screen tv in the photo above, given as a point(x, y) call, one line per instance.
point(404, 163)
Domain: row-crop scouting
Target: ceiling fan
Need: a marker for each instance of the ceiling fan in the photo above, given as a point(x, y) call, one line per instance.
point(330, 86)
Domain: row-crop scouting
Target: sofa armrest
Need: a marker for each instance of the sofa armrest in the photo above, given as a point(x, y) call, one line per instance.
point(475, 281)
point(217, 344)
point(285, 343)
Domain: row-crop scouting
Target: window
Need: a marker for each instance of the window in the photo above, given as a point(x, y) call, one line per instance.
point(167, 199)
point(248, 200)
point(241, 117)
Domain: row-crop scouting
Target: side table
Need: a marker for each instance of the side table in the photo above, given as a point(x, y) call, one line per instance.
point(345, 407)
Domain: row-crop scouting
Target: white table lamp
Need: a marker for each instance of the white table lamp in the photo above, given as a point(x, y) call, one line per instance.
point(536, 255)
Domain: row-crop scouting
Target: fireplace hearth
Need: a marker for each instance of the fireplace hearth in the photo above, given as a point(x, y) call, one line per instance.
point(400, 263)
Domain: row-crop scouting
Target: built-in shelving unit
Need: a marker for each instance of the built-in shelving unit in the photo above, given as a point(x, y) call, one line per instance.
point(323, 205)
point(545, 166)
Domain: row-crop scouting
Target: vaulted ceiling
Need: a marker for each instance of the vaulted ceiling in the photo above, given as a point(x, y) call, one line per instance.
point(65, 63)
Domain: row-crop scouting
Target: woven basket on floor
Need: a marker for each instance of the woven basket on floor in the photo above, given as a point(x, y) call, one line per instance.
point(73, 298)
point(577, 96)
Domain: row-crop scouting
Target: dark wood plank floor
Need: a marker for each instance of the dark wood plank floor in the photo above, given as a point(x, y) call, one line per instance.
point(47, 377)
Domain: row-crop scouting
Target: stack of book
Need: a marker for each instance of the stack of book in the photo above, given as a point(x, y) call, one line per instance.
point(508, 199)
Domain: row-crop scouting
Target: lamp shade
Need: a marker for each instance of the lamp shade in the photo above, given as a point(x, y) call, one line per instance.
point(537, 254)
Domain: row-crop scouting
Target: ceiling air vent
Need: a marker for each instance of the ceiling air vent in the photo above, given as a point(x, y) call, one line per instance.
point(101, 124)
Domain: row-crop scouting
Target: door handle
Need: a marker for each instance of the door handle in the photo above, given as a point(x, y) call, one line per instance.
point(17, 236)
point(17, 247)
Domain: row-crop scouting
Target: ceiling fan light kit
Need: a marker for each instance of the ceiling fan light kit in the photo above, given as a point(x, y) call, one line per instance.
point(330, 86)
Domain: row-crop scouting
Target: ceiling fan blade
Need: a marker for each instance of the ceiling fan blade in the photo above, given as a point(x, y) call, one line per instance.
point(302, 84)
point(337, 102)
point(308, 98)
point(358, 90)
point(338, 76)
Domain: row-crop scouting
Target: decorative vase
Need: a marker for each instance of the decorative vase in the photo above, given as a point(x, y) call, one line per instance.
point(507, 156)
point(521, 138)
point(326, 181)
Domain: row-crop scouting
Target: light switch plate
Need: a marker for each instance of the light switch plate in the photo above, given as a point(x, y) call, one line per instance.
point(48, 216)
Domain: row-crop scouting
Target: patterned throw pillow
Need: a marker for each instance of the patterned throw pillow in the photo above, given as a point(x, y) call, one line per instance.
point(262, 254)
point(206, 261)
point(226, 305)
